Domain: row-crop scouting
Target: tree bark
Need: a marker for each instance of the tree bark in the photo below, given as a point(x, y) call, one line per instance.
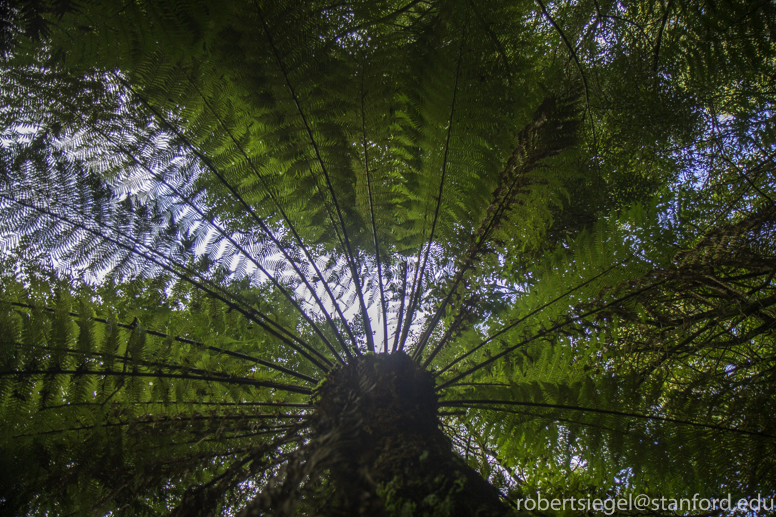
point(376, 449)
point(378, 416)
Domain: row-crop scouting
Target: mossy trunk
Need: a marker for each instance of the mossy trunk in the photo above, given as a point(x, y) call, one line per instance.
point(376, 422)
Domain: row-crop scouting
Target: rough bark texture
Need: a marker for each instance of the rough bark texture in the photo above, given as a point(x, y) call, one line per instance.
point(375, 448)
point(377, 418)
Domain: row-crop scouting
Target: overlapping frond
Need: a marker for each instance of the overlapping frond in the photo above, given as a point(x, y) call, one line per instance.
point(88, 399)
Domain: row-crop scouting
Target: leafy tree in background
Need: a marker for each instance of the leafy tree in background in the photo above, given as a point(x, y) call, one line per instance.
point(385, 257)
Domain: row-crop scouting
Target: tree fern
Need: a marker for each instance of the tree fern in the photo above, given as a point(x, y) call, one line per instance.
point(383, 257)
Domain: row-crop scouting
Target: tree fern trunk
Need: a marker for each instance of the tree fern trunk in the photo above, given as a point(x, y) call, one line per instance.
point(378, 422)
point(375, 448)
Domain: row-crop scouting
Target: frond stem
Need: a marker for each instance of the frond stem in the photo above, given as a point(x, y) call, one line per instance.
point(520, 320)
point(346, 245)
point(541, 334)
point(250, 314)
point(209, 164)
point(472, 403)
point(372, 214)
point(225, 380)
point(440, 191)
point(234, 243)
point(302, 246)
point(399, 329)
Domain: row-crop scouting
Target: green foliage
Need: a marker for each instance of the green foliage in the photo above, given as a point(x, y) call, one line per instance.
point(96, 410)
point(434, 505)
point(564, 211)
